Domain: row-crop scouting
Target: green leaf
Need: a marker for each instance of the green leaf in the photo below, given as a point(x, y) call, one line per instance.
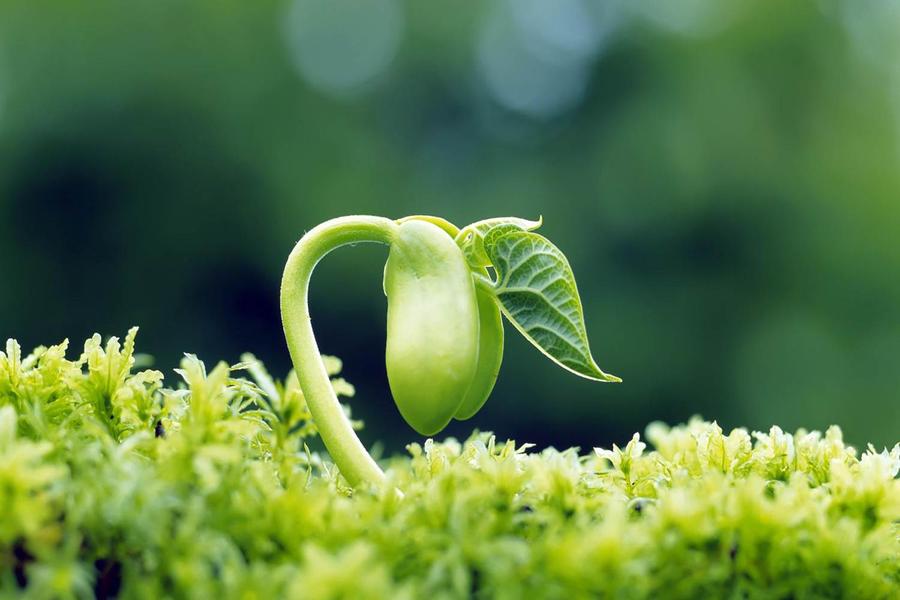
point(537, 293)
point(471, 238)
point(482, 227)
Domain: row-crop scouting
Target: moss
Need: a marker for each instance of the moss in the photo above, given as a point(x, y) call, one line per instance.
point(111, 484)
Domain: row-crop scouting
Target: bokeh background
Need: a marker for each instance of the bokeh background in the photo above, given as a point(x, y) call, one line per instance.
point(724, 177)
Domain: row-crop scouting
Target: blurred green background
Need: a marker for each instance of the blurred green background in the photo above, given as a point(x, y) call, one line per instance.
point(724, 177)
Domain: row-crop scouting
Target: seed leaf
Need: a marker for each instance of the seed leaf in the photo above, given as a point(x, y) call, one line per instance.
point(537, 293)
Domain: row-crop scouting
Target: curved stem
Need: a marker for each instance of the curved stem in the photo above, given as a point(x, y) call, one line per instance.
point(348, 453)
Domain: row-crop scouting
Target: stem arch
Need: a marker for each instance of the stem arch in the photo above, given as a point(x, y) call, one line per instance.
point(344, 446)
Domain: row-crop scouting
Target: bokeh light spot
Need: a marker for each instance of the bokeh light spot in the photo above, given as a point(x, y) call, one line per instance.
point(341, 46)
point(566, 30)
point(534, 59)
point(697, 18)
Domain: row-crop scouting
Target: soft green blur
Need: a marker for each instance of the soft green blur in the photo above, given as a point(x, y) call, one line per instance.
point(724, 177)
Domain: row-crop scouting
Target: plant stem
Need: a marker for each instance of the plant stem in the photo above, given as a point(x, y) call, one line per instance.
point(348, 453)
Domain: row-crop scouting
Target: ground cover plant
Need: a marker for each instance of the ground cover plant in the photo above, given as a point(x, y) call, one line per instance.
point(113, 483)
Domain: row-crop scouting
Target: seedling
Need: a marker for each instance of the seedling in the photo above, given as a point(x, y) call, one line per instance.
point(446, 289)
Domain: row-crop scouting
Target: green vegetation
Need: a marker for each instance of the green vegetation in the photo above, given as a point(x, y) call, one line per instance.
point(112, 484)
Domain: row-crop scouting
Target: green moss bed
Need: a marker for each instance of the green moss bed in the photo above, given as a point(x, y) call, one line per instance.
point(113, 485)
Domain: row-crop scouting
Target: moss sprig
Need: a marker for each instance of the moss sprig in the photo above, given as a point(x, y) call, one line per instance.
point(112, 484)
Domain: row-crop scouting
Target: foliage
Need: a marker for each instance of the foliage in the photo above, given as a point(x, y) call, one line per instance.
point(111, 485)
point(536, 288)
point(729, 213)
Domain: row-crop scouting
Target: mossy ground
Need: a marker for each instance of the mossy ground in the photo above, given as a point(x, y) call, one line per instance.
point(112, 485)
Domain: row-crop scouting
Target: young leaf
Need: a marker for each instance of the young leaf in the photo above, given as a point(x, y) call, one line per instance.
point(537, 293)
point(482, 227)
point(471, 238)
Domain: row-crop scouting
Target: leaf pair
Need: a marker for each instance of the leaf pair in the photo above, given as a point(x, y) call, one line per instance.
point(535, 288)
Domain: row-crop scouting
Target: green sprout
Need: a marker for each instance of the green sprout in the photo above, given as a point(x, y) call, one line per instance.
point(446, 289)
